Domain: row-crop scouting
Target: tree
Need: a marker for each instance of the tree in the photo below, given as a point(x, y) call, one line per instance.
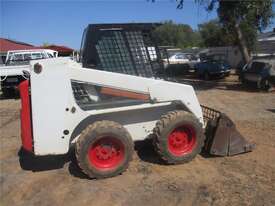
point(45, 44)
point(243, 17)
point(179, 35)
point(213, 34)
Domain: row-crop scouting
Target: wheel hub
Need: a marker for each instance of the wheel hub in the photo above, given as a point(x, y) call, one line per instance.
point(181, 140)
point(106, 153)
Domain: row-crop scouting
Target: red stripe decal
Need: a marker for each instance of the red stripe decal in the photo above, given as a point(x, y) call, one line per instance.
point(123, 93)
point(26, 127)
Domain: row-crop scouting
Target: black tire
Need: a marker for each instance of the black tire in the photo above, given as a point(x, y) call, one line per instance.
point(8, 92)
point(93, 143)
point(198, 75)
point(243, 81)
point(167, 125)
point(266, 85)
point(185, 68)
point(206, 76)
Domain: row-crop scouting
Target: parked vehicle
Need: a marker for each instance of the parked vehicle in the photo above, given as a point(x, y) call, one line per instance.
point(212, 68)
point(178, 58)
point(11, 74)
point(113, 98)
point(261, 72)
point(2, 63)
point(180, 62)
point(22, 57)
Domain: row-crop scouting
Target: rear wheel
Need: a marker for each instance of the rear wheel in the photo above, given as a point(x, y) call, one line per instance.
point(266, 85)
point(179, 137)
point(104, 149)
point(206, 76)
point(8, 92)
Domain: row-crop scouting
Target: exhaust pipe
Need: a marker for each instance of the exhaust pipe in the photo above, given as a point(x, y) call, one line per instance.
point(222, 136)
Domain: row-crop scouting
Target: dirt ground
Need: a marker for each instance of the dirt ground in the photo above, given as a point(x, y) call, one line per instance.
point(247, 179)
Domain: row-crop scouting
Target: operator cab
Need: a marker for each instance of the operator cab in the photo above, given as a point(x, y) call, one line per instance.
point(122, 48)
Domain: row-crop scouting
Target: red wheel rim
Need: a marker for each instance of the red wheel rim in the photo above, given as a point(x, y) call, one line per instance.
point(106, 153)
point(182, 140)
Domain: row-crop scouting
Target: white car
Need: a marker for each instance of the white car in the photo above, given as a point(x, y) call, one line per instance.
point(184, 60)
point(178, 58)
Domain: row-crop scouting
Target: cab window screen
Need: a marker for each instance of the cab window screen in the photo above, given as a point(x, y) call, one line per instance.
point(89, 96)
point(125, 52)
point(113, 54)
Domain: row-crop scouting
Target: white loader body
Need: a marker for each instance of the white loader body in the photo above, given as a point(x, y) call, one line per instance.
point(57, 119)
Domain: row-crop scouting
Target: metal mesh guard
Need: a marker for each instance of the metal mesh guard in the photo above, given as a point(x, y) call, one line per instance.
point(209, 114)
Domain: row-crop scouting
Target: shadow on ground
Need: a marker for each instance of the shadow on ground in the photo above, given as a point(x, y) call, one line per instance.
point(146, 152)
point(28, 161)
point(14, 95)
point(228, 83)
point(271, 110)
point(144, 149)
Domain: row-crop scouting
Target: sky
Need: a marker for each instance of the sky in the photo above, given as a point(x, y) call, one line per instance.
point(62, 22)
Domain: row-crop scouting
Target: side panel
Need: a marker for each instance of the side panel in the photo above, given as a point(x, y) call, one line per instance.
point(168, 91)
point(161, 91)
point(138, 120)
point(51, 92)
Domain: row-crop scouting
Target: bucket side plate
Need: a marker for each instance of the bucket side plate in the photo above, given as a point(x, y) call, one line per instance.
point(222, 136)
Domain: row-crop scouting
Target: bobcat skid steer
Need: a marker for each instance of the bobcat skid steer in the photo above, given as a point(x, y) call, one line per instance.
point(113, 97)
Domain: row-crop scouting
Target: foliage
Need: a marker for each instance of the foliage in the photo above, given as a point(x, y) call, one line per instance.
point(45, 44)
point(209, 34)
point(240, 21)
point(213, 34)
point(179, 35)
point(250, 16)
point(257, 14)
point(247, 16)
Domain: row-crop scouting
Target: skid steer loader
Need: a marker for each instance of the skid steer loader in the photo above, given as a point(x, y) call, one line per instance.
point(113, 97)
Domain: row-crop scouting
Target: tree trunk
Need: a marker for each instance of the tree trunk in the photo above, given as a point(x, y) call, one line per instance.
point(242, 43)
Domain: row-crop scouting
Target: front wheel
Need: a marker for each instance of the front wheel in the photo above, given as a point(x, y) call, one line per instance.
point(266, 85)
point(179, 137)
point(104, 149)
